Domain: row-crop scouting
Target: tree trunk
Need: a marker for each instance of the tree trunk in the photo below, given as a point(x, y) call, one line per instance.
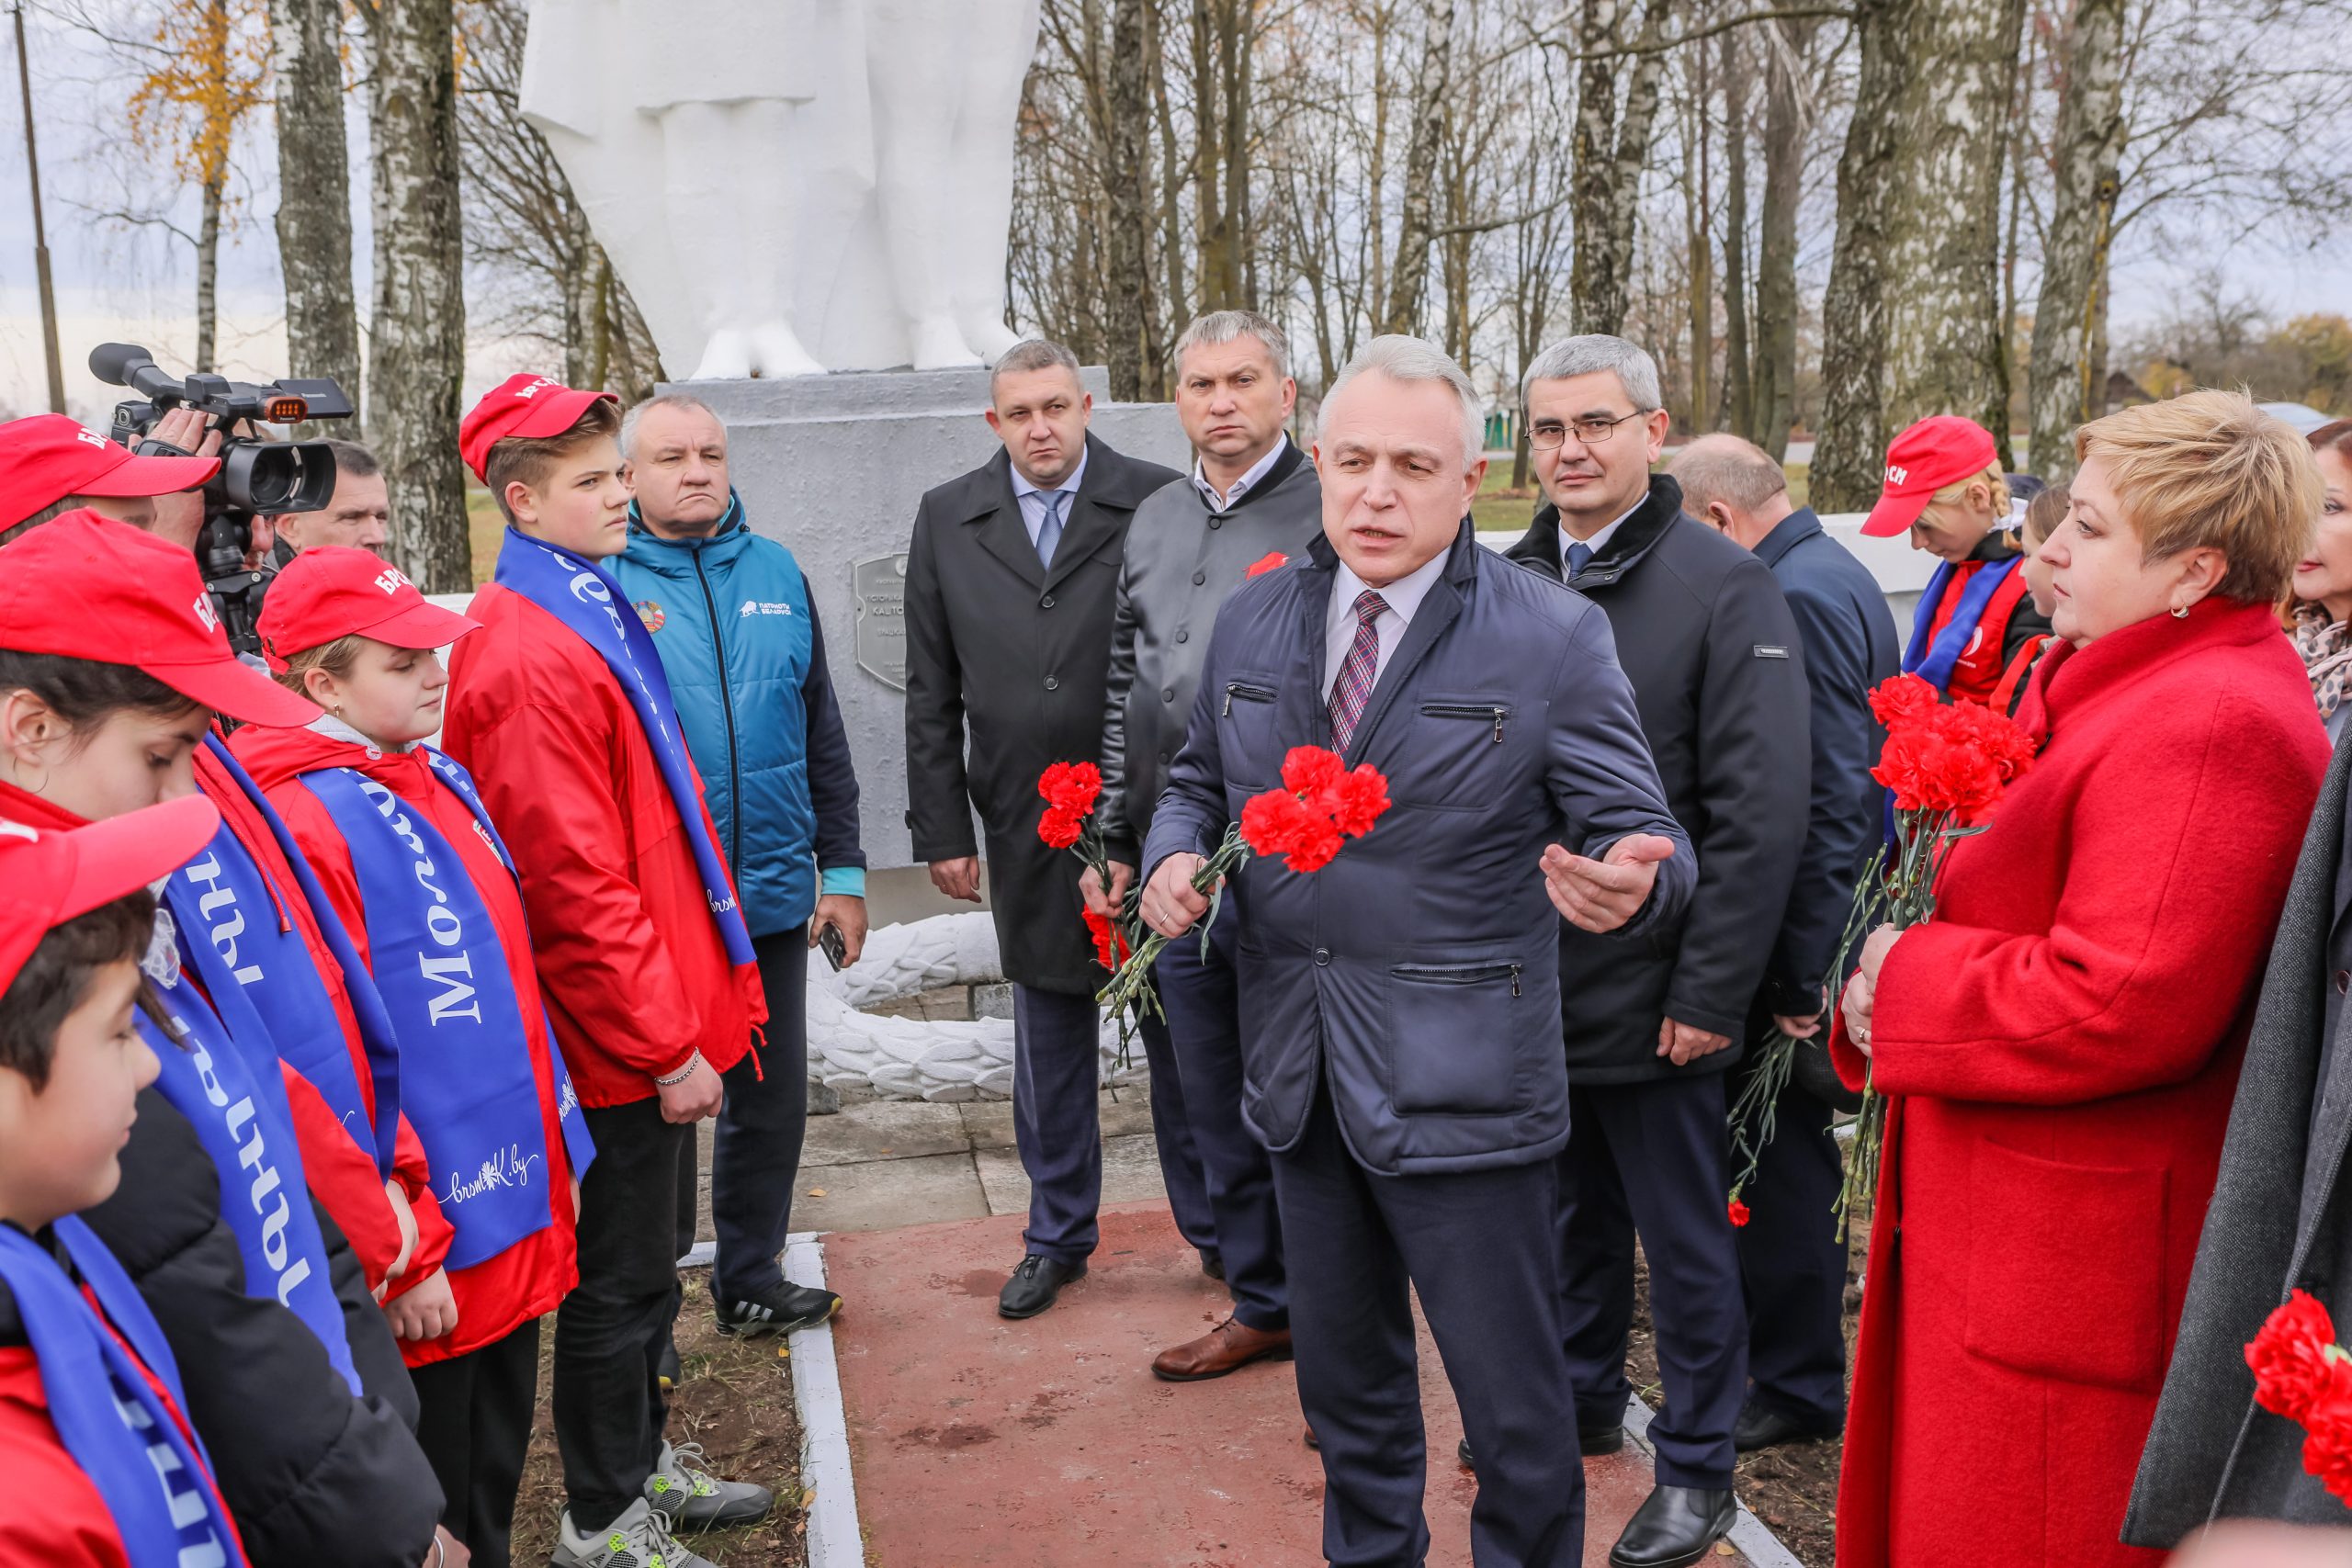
point(207, 273)
point(1739, 402)
point(1610, 151)
point(315, 192)
point(1850, 460)
point(1698, 197)
point(1171, 177)
point(1945, 343)
point(1233, 55)
point(2066, 383)
point(1773, 397)
point(1130, 225)
point(1408, 277)
point(419, 334)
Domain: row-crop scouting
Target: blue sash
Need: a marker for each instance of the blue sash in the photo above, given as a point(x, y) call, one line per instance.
point(471, 1093)
point(249, 952)
point(1934, 665)
point(584, 598)
point(154, 1481)
point(230, 1092)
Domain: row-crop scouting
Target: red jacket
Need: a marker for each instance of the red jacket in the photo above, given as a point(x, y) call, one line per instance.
point(501, 1293)
point(1977, 672)
point(629, 958)
point(2060, 1044)
point(340, 1173)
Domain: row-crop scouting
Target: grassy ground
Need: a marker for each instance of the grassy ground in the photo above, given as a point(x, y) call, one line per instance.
point(737, 1403)
point(484, 524)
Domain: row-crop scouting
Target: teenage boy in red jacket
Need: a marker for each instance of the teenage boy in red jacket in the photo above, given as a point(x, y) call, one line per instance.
point(559, 711)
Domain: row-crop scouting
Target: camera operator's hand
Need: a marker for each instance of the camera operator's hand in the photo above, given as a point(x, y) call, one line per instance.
point(180, 518)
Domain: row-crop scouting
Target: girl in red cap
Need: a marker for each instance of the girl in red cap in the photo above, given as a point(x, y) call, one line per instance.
point(112, 665)
point(412, 862)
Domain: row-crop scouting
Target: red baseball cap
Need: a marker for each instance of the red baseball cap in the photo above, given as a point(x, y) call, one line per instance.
point(523, 404)
point(87, 587)
point(49, 457)
point(334, 591)
point(49, 875)
point(1932, 454)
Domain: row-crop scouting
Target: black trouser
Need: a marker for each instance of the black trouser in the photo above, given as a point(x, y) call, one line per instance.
point(474, 1424)
point(1792, 1267)
point(755, 1150)
point(611, 1330)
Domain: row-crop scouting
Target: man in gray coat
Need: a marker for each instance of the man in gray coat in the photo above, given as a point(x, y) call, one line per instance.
point(1011, 577)
point(1251, 499)
point(1401, 1046)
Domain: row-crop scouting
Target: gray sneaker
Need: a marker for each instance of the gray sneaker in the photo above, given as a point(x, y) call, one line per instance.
point(697, 1500)
point(639, 1538)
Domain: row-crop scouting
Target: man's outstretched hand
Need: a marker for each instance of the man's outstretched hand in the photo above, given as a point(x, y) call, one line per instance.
point(1599, 896)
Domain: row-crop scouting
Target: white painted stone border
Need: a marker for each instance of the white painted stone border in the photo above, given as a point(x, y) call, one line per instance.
point(834, 1538)
point(1748, 1535)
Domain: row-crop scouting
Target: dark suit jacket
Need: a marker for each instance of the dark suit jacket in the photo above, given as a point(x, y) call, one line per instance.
point(2279, 1219)
point(1011, 659)
point(1414, 974)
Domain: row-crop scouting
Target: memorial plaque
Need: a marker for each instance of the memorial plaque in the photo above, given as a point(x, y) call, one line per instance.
point(881, 585)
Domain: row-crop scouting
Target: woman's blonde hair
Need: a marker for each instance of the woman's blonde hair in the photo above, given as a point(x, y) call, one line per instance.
point(335, 658)
point(2043, 514)
point(1990, 476)
point(2209, 468)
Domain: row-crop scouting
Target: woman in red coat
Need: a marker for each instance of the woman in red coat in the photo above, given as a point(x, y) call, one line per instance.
point(2060, 1042)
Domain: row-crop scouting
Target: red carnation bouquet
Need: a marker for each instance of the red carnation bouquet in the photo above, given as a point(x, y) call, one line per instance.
point(1321, 805)
point(2300, 1372)
point(1946, 764)
point(1070, 791)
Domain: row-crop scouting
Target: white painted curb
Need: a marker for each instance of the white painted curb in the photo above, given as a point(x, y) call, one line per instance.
point(1748, 1536)
point(834, 1538)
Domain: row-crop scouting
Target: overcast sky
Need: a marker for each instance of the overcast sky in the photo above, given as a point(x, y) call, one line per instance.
point(140, 285)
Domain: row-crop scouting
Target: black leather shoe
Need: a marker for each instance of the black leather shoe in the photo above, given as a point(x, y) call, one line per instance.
point(1674, 1527)
point(1034, 1285)
point(1763, 1425)
point(1601, 1440)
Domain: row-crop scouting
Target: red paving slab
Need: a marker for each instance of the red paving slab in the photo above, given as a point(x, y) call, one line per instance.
point(979, 1443)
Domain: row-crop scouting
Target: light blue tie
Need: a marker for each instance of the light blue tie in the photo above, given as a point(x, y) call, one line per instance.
point(1580, 557)
point(1049, 531)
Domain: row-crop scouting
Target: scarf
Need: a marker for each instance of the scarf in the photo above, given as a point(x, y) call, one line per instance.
point(470, 1089)
point(112, 1418)
point(238, 910)
point(583, 597)
point(2326, 648)
point(222, 1073)
point(1934, 664)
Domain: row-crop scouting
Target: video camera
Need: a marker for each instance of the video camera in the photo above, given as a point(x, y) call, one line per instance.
point(255, 477)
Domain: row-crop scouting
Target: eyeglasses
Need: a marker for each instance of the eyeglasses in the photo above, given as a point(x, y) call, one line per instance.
point(1592, 431)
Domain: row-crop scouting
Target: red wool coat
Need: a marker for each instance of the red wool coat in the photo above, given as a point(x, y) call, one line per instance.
point(2059, 1045)
point(629, 959)
point(499, 1294)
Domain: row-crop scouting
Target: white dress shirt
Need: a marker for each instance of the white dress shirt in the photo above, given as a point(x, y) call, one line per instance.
point(1243, 486)
point(1032, 500)
point(1597, 543)
point(1403, 596)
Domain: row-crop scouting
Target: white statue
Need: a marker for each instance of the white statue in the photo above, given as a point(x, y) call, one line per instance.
point(791, 186)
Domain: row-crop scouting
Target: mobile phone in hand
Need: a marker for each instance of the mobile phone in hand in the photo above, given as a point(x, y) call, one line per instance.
point(835, 947)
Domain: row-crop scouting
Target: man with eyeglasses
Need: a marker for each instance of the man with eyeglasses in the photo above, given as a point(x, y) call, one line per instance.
point(1712, 650)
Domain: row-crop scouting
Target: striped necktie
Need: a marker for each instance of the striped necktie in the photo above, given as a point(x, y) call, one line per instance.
point(1361, 667)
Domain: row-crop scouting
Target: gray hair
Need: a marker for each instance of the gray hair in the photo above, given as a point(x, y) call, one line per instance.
point(1724, 468)
point(1402, 359)
point(1634, 370)
point(686, 401)
point(1030, 355)
point(1227, 326)
point(351, 457)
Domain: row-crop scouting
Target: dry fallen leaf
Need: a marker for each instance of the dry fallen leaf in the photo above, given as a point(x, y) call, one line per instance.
point(816, 1192)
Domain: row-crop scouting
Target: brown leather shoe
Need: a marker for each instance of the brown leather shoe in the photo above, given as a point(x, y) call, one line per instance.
point(1229, 1347)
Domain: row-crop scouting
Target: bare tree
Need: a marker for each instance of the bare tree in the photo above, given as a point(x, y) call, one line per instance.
point(418, 338)
point(1787, 125)
point(1611, 150)
point(2066, 385)
point(1409, 275)
point(1848, 459)
point(314, 191)
point(1134, 333)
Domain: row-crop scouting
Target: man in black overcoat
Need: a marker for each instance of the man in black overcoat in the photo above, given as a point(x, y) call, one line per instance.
point(1011, 581)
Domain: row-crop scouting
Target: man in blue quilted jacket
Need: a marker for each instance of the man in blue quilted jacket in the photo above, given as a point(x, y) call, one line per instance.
point(733, 617)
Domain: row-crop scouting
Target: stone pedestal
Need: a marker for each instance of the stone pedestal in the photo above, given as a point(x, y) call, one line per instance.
point(833, 466)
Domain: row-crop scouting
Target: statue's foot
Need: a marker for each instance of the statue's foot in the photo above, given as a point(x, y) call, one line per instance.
point(939, 346)
point(726, 357)
point(989, 336)
point(778, 349)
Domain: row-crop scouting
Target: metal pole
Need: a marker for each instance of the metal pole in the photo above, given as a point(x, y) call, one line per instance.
point(40, 234)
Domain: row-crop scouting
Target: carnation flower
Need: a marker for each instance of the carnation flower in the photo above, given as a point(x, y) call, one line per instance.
point(1110, 942)
point(1357, 799)
point(1060, 826)
point(1310, 770)
point(1738, 1213)
point(1071, 786)
point(1901, 698)
point(1265, 564)
point(2291, 1357)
